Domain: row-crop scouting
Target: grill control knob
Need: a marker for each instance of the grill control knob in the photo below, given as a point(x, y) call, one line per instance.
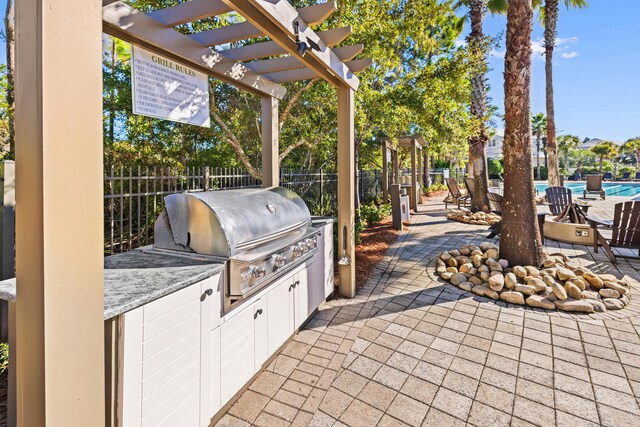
point(280, 261)
point(297, 250)
point(311, 243)
point(259, 272)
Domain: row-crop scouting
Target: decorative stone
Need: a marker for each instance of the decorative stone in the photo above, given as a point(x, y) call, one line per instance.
point(591, 295)
point(465, 251)
point(477, 252)
point(575, 306)
point(608, 277)
point(476, 260)
point(612, 285)
point(454, 253)
point(550, 272)
point(451, 262)
point(492, 254)
point(494, 265)
point(445, 256)
point(525, 289)
point(484, 291)
point(564, 273)
point(503, 263)
point(519, 271)
point(510, 280)
point(573, 291)
point(609, 293)
point(485, 276)
point(625, 299)
point(466, 286)
point(537, 284)
point(548, 263)
point(558, 290)
point(458, 278)
point(475, 280)
point(532, 270)
point(446, 276)
point(464, 268)
point(548, 280)
point(613, 303)
point(579, 282)
point(598, 306)
point(540, 302)
point(441, 269)
point(496, 282)
point(483, 268)
point(512, 297)
point(594, 280)
point(485, 246)
point(452, 270)
point(581, 271)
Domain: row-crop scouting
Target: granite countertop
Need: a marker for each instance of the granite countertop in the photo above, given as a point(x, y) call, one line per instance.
point(135, 278)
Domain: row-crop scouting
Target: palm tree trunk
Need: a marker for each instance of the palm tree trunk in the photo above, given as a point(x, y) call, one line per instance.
point(538, 156)
point(520, 242)
point(478, 142)
point(550, 24)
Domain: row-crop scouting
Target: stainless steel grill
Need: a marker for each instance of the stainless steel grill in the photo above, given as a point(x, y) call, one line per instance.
point(259, 233)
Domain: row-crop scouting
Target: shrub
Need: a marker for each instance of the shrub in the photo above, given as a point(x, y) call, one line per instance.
point(495, 167)
point(4, 359)
point(435, 188)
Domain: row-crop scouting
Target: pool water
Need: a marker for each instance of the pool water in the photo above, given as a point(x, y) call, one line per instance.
point(610, 188)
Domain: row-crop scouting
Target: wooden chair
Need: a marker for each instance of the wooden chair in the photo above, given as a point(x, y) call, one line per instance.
point(624, 232)
point(495, 201)
point(470, 184)
point(594, 185)
point(558, 198)
point(455, 195)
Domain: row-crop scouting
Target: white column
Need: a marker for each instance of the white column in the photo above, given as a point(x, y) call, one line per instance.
point(59, 213)
point(346, 188)
point(270, 142)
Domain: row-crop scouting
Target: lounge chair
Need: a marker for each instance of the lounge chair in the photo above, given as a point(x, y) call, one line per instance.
point(577, 177)
point(470, 184)
point(495, 201)
point(558, 198)
point(608, 176)
point(626, 176)
point(624, 232)
point(637, 178)
point(594, 185)
point(455, 195)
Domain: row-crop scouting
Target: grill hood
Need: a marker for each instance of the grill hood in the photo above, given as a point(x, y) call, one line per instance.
point(225, 223)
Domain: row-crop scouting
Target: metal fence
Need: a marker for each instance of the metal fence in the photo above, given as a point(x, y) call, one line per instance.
point(135, 197)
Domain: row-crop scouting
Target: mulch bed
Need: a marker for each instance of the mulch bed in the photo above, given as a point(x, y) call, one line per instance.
point(374, 241)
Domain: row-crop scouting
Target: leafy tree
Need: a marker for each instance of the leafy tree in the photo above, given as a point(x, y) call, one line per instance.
point(566, 145)
point(538, 127)
point(550, 16)
point(520, 241)
point(632, 145)
point(604, 150)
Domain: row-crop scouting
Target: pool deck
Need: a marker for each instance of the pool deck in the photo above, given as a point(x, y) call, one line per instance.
point(412, 350)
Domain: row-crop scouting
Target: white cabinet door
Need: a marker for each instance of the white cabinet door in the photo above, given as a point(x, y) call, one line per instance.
point(237, 352)
point(209, 350)
point(303, 306)
point(280, 314)
point(325, 268)
point(260, 316)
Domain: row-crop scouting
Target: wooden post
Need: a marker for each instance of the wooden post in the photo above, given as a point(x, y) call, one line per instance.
point(414, 182)
point(385, 173)
point(59, 247)
point(419, 175)
point(396, 167)
point(270, 143)
point(346, 188)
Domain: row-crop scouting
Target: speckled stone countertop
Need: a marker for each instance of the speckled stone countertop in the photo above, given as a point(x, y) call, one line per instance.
point(135, 278)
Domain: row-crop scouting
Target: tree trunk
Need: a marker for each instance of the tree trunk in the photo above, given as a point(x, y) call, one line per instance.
point(550, 24)
point(9, 25)
point(538, 156)
point(478, 142)
point(520, 242)
point(601, 161)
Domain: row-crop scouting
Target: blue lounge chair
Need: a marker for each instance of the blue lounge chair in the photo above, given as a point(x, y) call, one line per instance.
point(626, 176)
point(608, 176)
point(637, 178)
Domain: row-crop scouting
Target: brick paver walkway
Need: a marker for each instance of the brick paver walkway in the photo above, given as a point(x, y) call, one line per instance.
point(410, 350)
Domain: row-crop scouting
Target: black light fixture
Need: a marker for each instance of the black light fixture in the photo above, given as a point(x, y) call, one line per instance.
point(304, 46)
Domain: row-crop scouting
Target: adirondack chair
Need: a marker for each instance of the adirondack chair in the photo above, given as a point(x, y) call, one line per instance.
point(637, 178)
point(594, 185)
point(608, 176)
point(624, 232)
point(455, 195)
point(558, 198)
point(470, 184)
point(495, 201)
point(626, 176)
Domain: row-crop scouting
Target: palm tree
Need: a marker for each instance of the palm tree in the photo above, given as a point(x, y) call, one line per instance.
point(478, 141)
point(551, 9)
point(633, 146)
point(520, 241)
point(604, 150)
point(566, 144)
point(538, 127)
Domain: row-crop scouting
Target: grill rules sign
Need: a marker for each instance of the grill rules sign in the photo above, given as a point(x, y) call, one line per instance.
point(164, 89)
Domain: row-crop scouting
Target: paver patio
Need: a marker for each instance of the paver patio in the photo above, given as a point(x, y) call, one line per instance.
point(412, 350)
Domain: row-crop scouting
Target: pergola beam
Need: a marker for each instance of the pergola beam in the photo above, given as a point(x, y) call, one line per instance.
point(129, 24)
point(278, 19)
point(271, 48)
point(314, 14)
point(190, 11)
point(306, 73)
point(284, 63)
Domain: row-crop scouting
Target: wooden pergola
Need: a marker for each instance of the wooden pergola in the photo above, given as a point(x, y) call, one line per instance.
point(58, 313)
point(415, 143)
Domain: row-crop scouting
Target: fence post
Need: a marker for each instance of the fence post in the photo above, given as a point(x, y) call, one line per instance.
point(205, 178)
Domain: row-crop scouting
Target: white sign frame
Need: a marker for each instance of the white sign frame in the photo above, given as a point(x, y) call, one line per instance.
point(168, 89)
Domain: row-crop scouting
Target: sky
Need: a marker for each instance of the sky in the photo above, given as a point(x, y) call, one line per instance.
point(596, 69)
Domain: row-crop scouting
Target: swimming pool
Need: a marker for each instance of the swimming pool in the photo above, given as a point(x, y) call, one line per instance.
point(628, 189)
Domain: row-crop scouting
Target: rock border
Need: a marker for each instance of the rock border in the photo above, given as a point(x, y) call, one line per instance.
point(464, 215)
point(559, 285)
